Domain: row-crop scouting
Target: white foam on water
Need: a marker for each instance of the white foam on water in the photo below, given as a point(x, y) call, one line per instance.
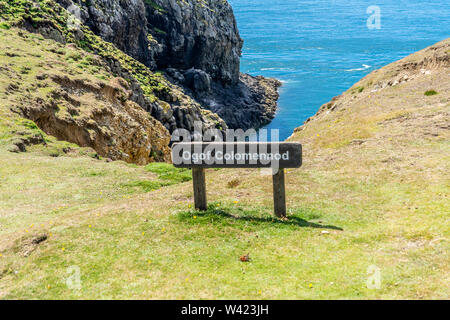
point(364, 67)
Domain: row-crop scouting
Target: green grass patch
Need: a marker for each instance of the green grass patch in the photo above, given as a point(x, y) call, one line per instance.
point(145, 185)
point(430, 93)
point(28, 124)
point(155, 6)
point(169, 173)
point(358, 89)
point(5, 26)
point(157, 30)
point(93, 173)
point(73, 56)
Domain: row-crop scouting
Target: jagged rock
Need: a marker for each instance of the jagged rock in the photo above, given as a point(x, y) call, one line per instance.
point(203, 35)
point(197, 80)
point(175, 75)
point(252, 103)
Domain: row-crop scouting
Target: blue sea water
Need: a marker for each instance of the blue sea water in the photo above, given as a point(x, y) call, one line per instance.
point(320, 48)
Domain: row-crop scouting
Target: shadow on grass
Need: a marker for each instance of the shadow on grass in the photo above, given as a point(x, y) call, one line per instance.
point(226, 215)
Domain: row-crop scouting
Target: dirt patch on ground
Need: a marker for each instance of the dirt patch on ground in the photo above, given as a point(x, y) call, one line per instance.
point(26, 246)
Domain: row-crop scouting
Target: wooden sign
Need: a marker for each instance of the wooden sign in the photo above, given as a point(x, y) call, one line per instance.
point(202, 155)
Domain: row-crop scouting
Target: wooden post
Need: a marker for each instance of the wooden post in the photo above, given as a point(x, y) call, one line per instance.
point(279, 194)
point(198, 175)
point(200, 155)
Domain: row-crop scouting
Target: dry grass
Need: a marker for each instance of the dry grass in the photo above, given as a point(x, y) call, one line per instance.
point(233, 183)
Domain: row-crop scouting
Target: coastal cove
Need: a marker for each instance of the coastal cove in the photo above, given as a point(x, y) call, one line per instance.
point(318, 49)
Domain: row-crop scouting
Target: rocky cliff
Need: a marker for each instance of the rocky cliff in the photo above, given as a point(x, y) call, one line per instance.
point(178, 59)
point(197, 46)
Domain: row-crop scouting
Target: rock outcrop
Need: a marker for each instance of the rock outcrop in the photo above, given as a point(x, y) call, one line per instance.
point(73, 96)
point(196, 34)
point(101, 116)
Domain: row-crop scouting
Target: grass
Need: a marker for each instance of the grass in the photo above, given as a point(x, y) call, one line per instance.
point(358, 89)
point(75, 183)
point(24, 56)
point(430, 93)
point(167, 175)
point(154, 245)
point(5, 26)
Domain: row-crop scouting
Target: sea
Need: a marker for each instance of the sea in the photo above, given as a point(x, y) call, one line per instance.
point(318, 49)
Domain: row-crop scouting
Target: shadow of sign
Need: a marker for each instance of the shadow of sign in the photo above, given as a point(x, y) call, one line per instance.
point(223, 215)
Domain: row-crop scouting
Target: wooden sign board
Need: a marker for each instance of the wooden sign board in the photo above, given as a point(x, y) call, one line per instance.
point(201, 155)
point(237, 155)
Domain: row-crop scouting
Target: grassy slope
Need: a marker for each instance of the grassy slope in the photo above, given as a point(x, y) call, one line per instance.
point(22, 58)
point(47, 13)
point(375, 178)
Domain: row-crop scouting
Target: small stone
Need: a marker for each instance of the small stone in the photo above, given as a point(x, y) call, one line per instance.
point(14, 149)
point(19, 143)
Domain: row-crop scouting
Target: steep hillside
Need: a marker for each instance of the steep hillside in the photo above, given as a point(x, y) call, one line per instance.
point(71, 95)
point(195, 52)
point(367, 212)
point(84, 66)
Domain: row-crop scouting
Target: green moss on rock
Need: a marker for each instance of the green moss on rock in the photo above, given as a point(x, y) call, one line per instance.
point(48, 14)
